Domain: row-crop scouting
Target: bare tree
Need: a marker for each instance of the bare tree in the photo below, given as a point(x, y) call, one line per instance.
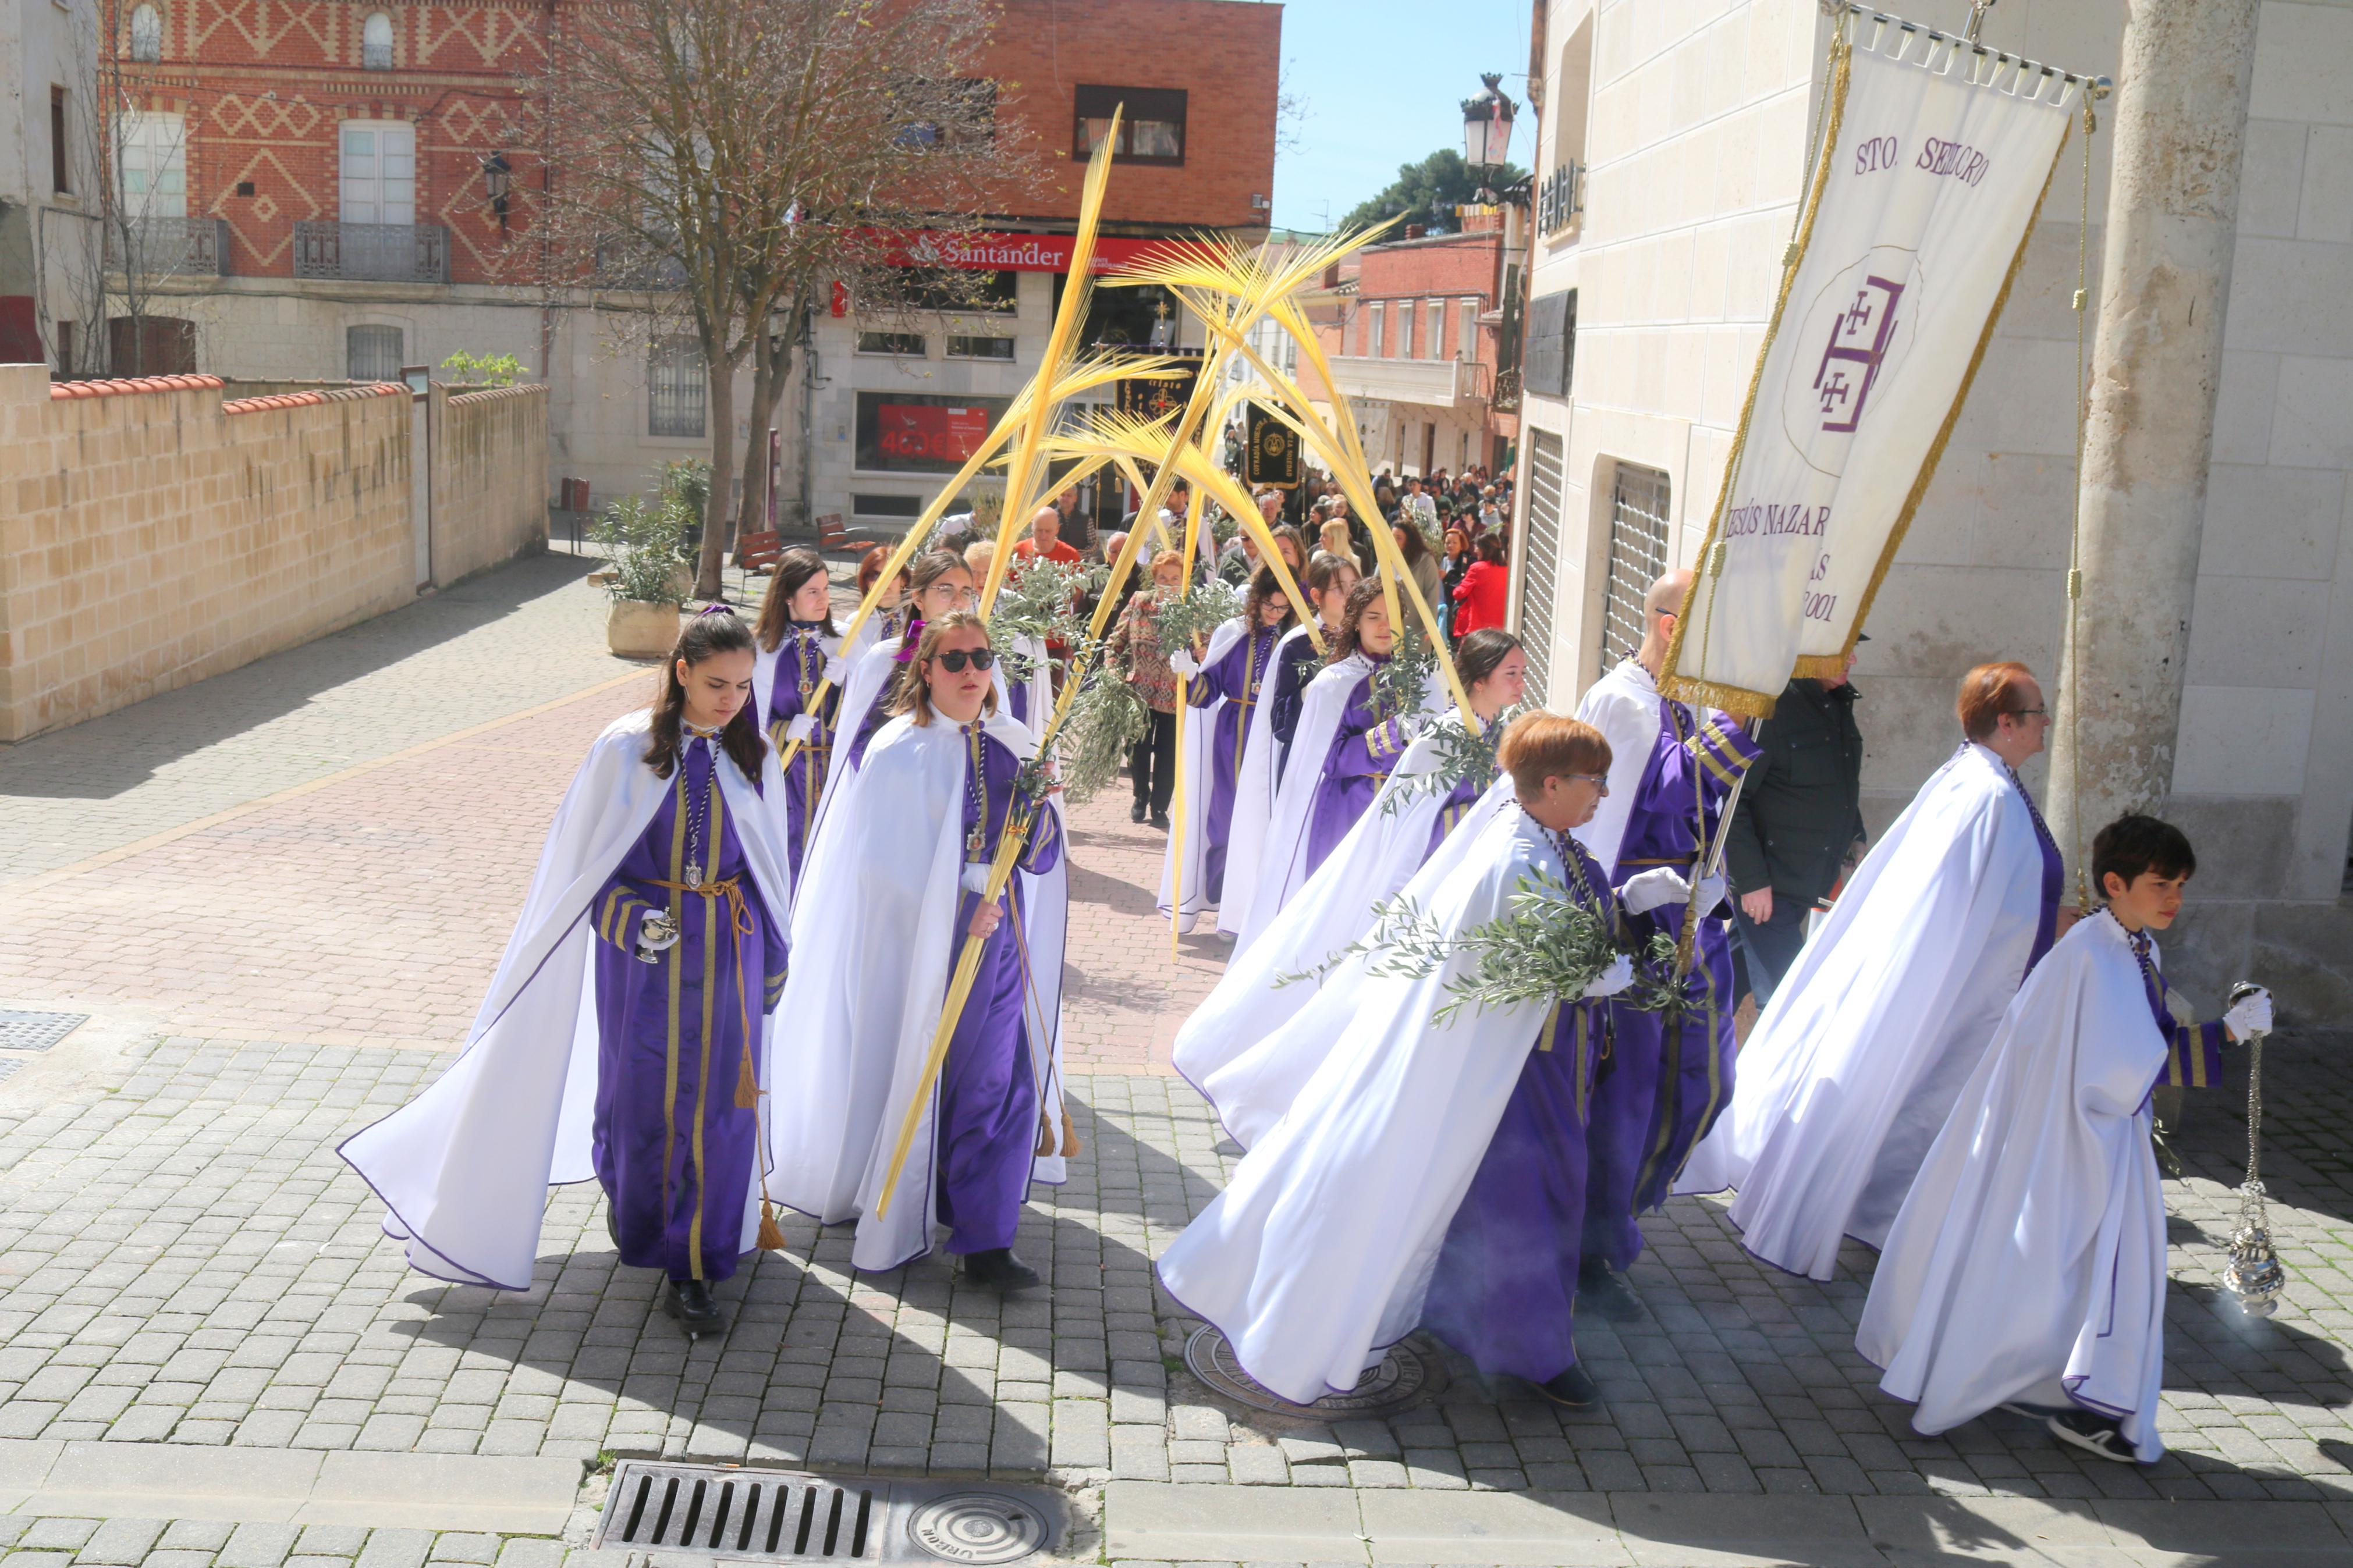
point(132, 165)
point(735, 160)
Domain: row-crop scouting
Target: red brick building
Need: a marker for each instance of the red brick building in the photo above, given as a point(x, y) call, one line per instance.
point(1416, 347)
point(316, 186)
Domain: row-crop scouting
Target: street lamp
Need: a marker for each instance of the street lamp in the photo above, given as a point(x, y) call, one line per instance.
point(496, 175)
point(1487, 131)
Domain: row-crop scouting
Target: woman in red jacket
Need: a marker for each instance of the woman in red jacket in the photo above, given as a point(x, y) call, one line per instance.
point(1481, 600)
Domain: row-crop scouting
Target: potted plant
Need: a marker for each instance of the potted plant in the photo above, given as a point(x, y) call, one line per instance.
point(641, 542)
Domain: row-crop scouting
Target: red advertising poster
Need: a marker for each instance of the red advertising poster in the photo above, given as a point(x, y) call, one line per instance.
point(929, 434)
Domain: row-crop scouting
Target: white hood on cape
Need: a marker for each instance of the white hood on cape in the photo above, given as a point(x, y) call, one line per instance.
point(464, 1168)
point(1194, 760)
point(2032, 1249)
point(1219, 1048)
point(1319, 1253)
point(1624, 706)
point(1253, 801)
point(875, 941)
point(1852, 1070)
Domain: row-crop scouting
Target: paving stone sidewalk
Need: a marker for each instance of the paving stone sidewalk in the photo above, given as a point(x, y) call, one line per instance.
point(182, 1257)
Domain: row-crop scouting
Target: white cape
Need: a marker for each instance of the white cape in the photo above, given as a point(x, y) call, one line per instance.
point(2030, 1253)
point(464, 1168)
point(1253, 801)
point(1853, 1067)
point(874, 942)
point(1283, 866)
point(1319, 1253)
point(871, 672)
point(1193, 765)
point(1624, 706)
point(1216, 1048)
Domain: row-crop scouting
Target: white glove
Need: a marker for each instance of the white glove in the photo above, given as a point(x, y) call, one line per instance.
point(1648, 891)
point(802, 727)
point(837, 670)
point(976, 875)
point(1183, 663)
point(2250, 1015)
point(1711, 893)
point(1612, 980)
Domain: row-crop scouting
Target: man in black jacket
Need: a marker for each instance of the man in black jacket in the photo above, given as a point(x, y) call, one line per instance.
point(1800, 814)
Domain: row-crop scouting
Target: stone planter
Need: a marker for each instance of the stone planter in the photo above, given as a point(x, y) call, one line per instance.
point(638, 630)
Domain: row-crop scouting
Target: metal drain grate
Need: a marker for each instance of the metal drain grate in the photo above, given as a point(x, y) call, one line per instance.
point(721, 1510)
point(36, 1031)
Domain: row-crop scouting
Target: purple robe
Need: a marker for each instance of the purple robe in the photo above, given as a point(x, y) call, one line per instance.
point(1237, 679)
point(1665, 1084)
point(988, 1112)
point(800, 669)
point(1457, 806)
point(673, 1150)
point(2054, 880)
point(1505, 1289)
point(1363, 749)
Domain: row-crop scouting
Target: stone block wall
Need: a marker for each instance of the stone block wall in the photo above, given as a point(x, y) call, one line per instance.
point(151, 533)
point(490, 479)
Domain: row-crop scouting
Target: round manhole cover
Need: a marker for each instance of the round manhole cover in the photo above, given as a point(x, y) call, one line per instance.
point(977, 1526)
point(1404, 1375)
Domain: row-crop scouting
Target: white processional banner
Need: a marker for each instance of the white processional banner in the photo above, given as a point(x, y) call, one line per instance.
point(1917, 218)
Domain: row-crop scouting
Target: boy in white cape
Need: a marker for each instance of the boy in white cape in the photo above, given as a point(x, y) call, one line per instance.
point(2027, 1267)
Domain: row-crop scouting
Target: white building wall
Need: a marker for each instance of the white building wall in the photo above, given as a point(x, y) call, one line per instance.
point(50, 243)
point(1697, 131)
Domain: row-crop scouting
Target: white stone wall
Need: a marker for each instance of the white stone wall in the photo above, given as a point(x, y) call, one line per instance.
point(1695, 135)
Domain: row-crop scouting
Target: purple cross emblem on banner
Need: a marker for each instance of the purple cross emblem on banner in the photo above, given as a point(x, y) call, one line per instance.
point(1859, 337)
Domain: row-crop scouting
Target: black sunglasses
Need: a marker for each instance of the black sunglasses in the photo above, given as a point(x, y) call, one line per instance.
point(956, 658)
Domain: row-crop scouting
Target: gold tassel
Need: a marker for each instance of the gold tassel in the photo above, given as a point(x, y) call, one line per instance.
point(772, 1234)
point(1069, 1137)
point(747, 1088)
point(1045, 1136)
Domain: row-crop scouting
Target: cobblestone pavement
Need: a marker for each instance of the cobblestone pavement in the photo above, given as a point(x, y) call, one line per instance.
point(183, 1258)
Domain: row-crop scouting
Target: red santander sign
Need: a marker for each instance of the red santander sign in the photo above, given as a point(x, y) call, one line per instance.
point(1018, 252)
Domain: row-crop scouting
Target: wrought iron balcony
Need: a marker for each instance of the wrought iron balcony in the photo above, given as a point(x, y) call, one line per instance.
point(1560, 199)
point(373, 252)
point(168, 247)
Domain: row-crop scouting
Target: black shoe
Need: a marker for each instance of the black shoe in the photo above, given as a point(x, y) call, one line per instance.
point(1136, 812)
point(998, 1267)
point(613, 1226)
point(1603, 1290)
point(1160, 820)
point(1571, 1388)
point(688, 1301)
point(2093, 1434)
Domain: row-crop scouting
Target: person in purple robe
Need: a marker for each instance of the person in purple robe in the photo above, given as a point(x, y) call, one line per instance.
point(1366, 745)
point(941, 584)
point(1504, 1291)
point(896, 888)
point(1328, 583)
point(624, 1038)
point(690, 958)
point(1666, 1080)
point(1493, 669)
point(988, 1112)
point(1237, 679)
point(800, 655)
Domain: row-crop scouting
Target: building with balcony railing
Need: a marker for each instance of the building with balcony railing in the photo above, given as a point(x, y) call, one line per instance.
point(154, 247)
point(1418, 348)
point(373, 252)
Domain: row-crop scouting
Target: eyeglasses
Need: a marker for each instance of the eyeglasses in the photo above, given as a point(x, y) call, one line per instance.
point(954, 660)
point(1600, 781)
point(2023, 713)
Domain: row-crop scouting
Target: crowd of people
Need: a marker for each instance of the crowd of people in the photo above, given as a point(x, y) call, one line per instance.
point(797, 939)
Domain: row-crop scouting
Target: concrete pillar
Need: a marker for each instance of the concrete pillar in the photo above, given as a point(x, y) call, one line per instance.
point(2179, 125)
